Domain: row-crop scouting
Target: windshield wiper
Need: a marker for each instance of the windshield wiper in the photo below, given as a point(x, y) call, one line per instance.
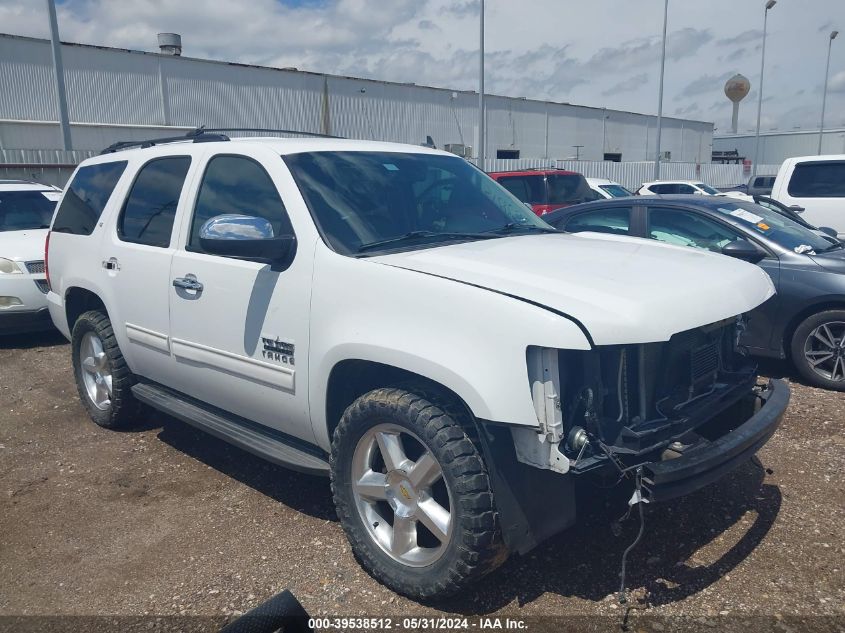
point(412, 236)
point(832, 247)
point(514, 227)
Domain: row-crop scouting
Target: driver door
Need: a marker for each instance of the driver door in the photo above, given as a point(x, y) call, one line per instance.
point(239, 331)
point(688, 228)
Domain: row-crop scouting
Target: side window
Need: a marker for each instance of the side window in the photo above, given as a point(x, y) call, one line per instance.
point(685, 228)
point(237, 185)
point(818, 180)
point(147, 215)
point(664, 189)
point(685, 189)
point(530, 189)
point(86, 197)
point(616, 220)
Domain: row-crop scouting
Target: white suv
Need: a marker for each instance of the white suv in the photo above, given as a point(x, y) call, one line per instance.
point(814, 186)
point(390, 316)
point(25, 212)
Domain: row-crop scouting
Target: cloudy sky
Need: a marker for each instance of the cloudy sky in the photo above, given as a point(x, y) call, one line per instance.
point(598, 53)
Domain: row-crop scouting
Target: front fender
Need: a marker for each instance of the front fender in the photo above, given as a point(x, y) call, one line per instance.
point(468, 339)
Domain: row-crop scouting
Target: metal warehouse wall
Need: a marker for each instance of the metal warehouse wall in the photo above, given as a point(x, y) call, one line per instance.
point(117, 94)
point(775, 147)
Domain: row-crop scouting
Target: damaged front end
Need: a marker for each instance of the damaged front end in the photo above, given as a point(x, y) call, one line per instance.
point(668, 418)
point(620, 407)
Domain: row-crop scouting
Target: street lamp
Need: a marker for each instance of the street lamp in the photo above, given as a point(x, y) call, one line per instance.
point(769, 5)
point(833, 35)
point(660, 95)
point(481, 148)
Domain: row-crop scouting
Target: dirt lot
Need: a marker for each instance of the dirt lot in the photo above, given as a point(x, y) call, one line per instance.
point(165, 520)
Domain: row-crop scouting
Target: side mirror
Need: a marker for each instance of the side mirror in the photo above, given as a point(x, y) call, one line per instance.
point(247, 237)
point(796, 209)
point(744, 250)
point(829, 231)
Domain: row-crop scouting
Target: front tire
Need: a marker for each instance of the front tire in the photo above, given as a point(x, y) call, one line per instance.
point(413, 495)
point(103, 379)
point(818, 349)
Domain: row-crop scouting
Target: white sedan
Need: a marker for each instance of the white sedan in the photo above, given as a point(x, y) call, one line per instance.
point(608, 188)
point(671, 187)
point(26, 209)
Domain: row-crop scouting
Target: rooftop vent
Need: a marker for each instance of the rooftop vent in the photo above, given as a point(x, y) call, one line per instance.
point(170, 43)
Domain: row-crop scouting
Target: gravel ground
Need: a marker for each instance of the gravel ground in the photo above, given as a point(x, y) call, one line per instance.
point(165, 520)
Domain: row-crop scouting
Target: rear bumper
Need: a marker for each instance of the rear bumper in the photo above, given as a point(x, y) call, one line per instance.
point(701, 466)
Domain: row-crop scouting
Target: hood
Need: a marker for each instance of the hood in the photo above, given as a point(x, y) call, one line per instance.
point(834, 261)
point(26, 245)
point(622, 290)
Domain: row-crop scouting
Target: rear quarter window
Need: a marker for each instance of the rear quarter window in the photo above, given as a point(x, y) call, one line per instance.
point(86, 197)
point(822, 179)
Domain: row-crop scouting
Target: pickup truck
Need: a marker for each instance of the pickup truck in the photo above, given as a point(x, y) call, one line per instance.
point(389, 316)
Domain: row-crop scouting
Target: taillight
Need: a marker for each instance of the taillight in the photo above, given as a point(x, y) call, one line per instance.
point(47, 259)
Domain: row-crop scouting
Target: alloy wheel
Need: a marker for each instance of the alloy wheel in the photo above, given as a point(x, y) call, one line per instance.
point(824, 350)
point(401, 495)
point(95, 371)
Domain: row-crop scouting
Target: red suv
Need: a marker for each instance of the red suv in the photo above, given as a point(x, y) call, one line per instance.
point(545, 189)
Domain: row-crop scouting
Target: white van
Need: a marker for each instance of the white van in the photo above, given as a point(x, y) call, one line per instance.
point(816, 184)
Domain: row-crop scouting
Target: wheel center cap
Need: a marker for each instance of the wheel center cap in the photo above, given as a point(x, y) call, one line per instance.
point(401, 494)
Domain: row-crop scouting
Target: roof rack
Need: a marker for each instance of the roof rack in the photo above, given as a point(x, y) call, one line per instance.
point(203, 135)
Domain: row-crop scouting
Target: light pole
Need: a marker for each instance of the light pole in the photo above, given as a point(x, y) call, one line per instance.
point(833, 35)
point(58, 70)
point(660, 91)
point(481, 150)
point(769, 5)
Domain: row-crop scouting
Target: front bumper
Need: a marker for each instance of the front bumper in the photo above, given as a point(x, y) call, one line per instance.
point(705, 464)
point(20, 321)
point(31, 315)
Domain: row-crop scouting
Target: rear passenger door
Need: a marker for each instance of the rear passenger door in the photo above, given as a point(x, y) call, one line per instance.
point(819, 187)
point(240, 339)
point(135, 262)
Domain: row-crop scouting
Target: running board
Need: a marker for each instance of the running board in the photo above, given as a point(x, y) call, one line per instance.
point(267, 444)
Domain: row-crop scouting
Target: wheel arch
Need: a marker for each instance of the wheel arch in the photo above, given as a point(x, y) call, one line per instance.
point(79, 300)
point(835, 302)
point(351, 378)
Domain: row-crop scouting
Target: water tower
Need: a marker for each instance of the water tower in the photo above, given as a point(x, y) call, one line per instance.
point(736, 89)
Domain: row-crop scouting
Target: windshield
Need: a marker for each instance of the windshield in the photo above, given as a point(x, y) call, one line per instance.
point(21, 210)
point(616, 191)
point(707, 188)
point(775, 226)
point(568, 188)
point(359, 199)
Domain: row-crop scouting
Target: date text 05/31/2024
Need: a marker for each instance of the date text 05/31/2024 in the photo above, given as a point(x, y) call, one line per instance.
point(417, 623)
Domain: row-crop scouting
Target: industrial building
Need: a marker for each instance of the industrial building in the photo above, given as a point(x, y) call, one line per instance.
point(775, 147)
point(116, 94)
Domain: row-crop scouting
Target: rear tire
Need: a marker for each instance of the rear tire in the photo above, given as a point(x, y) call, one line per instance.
point(103, 379)
point(413, 495)
point(818, 349)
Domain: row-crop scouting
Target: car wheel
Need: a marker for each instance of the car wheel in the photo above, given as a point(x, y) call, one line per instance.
point(103, 379)
point(818, 349)
point(413, 495)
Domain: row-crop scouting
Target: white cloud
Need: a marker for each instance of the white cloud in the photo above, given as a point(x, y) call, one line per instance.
point(602, 54)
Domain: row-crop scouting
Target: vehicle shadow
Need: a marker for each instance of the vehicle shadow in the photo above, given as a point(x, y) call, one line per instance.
point(30, 340)
point(685, 548)
point(308, 494)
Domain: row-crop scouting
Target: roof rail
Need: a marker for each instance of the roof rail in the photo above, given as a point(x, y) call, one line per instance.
point(262, 129)
point(198, 135)
point(204, 135)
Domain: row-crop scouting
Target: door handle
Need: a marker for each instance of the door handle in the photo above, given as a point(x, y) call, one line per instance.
point(111, 264)
point(188, 282)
